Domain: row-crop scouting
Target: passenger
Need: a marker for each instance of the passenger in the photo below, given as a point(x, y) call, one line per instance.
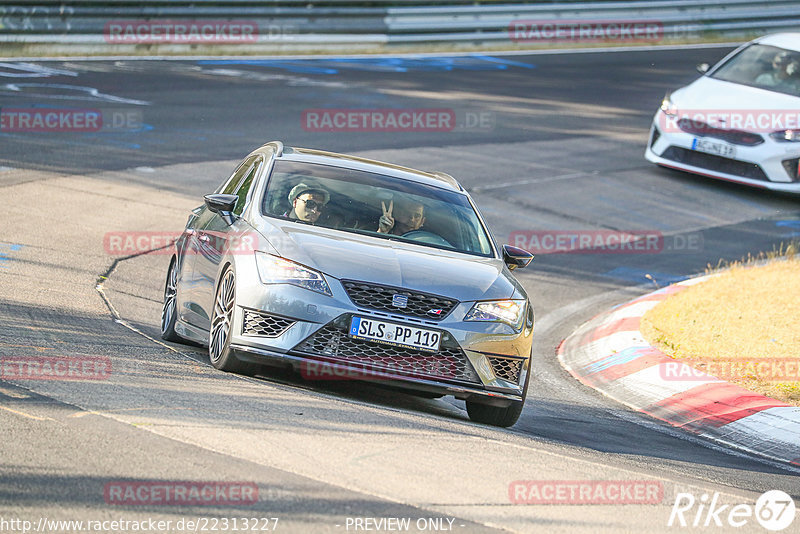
point(792, 83)
point(784, 74)
point(408, 216)
point(308, 201)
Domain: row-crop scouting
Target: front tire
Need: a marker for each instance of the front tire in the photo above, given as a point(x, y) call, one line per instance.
point(219, 339)
point(495, 415)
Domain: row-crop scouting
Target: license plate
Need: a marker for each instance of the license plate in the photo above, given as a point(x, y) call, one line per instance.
point(710, 147)
point(399, 335)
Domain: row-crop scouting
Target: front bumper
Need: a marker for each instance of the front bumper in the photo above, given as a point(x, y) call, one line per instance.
point(320, 370)
point(763, 165)
point(286, 325)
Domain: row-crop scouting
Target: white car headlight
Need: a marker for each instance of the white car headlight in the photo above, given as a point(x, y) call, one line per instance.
point(786, 136)
point(502, 311)
point(668, 106)
point(275, 270)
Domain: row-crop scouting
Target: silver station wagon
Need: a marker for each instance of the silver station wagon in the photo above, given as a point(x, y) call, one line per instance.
point(348, 268)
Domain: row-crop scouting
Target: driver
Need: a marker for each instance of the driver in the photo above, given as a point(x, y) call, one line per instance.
point(406, 216)
point(308, 201)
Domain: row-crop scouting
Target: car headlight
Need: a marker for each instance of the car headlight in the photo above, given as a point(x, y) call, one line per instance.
point(510, 312)
point(786, 136)
point(668, 106)
point(275, 270)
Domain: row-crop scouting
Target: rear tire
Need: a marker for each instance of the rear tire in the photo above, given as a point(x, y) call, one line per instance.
point(169, 311)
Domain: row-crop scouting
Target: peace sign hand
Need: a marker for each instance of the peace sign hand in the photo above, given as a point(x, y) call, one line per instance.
point(386, 221)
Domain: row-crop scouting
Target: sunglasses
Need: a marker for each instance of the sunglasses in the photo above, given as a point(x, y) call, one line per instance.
point(311, 204)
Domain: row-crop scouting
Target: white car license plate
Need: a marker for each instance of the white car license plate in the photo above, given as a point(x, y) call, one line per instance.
point(710, 147)
point(398, 335)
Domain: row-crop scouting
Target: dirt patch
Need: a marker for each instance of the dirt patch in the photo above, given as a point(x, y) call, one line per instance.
point(741, 325)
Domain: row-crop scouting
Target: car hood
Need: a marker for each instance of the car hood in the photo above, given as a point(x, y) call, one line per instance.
point(349, 256)
point(709, 94)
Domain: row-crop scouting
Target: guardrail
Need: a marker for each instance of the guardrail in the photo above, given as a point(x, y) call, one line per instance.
point(260, 26)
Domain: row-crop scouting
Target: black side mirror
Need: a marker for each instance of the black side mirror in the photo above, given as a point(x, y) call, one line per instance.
point(223, 205)
point(516, 257)
point(702, 68)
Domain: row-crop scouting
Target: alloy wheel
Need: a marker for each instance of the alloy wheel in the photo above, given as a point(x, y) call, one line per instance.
point(170, 294)
point(223, 316)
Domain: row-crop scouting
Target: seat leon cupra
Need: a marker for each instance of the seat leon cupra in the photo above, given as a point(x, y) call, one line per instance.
point(344, 267)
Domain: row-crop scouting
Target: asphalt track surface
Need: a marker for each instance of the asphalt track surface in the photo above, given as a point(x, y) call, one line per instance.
point(560, 148)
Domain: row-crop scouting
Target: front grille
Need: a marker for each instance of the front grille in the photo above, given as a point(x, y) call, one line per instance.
point(331, 342)
point(263, 324)
point(792, 167)
point(715, 163)
point(506, 368)
point(737, 137)
point(419, 304)
point(654, 138)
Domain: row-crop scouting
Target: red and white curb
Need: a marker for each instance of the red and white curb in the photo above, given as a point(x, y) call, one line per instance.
point(610, 355)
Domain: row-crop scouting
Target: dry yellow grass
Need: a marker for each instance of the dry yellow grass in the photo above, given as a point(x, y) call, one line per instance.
point(744, 314)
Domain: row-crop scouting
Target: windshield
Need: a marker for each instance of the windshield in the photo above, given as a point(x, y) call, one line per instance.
point(763, 66)
point(376, 205)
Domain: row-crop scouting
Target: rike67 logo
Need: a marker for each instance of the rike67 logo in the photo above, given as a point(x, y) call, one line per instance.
point(774, 510)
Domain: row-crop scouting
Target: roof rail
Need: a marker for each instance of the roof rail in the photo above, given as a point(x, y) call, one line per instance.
point(277, 146)
point(447, 178)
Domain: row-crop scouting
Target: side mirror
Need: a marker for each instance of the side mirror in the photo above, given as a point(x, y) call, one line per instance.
point(223, 205)
point(702, 68)
point(516, 257)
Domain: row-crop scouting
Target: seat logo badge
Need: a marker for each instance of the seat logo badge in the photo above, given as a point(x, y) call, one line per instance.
point(435, 312)
point(399, 301)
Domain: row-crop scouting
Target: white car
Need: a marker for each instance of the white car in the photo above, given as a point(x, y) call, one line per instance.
point(740, 121)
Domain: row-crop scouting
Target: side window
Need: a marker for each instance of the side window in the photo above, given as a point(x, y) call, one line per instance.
point(244, 189)
point(236, 178)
